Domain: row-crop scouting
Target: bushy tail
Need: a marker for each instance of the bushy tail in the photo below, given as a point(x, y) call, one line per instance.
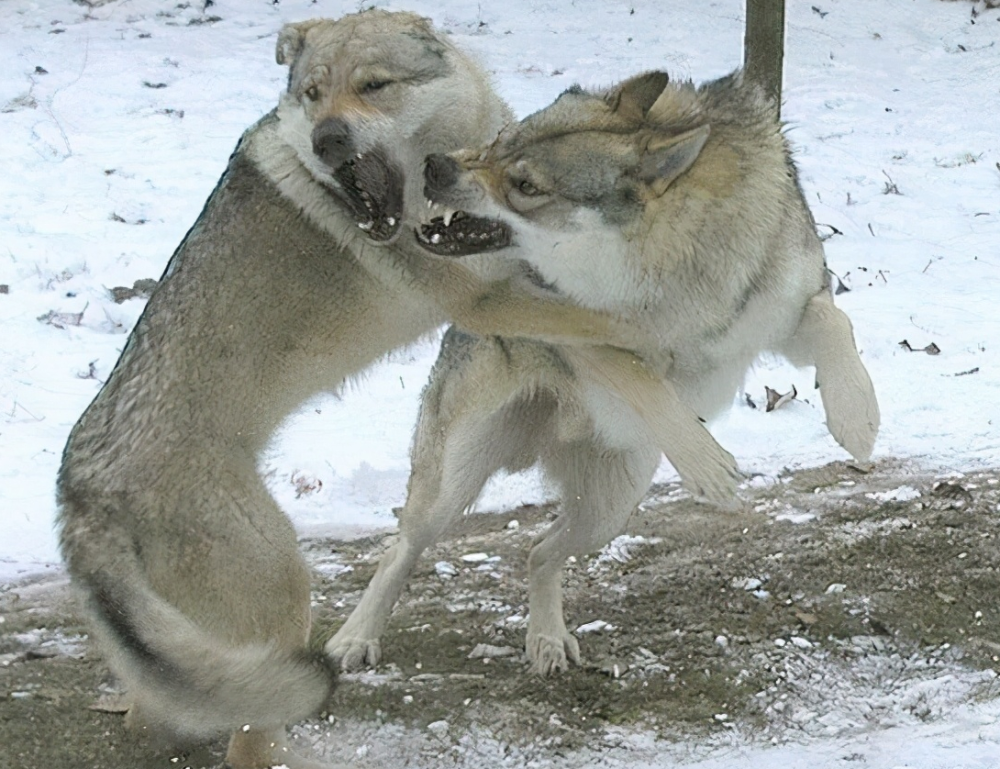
point(185, 679)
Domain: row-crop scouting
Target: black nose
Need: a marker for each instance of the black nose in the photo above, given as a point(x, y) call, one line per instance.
point(440, 173)
point(332, 142)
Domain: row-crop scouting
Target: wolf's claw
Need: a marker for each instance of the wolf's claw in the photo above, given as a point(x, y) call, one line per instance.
point(552, 654)
point(354, 654)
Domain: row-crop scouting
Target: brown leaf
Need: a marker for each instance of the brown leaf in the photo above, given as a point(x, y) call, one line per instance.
point(776, 400)
point(931, 349)
point(63, 319)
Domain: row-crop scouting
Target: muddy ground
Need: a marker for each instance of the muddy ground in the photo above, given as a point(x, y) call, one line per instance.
point(836, 602)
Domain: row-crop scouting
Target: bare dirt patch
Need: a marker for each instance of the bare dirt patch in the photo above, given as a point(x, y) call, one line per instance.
point(836, 602)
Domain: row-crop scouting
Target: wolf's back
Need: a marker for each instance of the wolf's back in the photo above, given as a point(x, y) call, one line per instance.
point(184, 679)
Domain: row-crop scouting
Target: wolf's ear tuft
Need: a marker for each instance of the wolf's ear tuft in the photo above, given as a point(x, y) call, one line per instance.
point(634, 98)
point(667, 157)
point(291, 41)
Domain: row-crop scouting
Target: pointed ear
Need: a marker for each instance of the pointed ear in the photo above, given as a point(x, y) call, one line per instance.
point(667, 157)
point(291, 41)
point(634, 98)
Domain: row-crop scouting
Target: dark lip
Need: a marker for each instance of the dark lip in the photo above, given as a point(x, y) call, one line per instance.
point(465, 236)
point(370, 187)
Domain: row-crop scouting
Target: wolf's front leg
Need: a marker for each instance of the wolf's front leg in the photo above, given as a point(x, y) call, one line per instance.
point(600, 489)
point(705, 467)
point(825, 339)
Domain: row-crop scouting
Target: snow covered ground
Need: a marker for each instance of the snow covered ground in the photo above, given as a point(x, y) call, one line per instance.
point(118, 119)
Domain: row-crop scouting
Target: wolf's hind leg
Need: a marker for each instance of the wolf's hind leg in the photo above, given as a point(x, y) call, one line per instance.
point(600, 489)
point(473, 421)
point(824, 338)
point(441, 487)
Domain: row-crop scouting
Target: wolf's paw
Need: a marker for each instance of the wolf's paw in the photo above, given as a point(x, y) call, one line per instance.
point(852, 413)
point(710, 472)
point(551, 654)
point(354, 654)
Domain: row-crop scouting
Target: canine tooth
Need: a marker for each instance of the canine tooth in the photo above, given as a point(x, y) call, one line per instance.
point(436, 238)
point(391, 221)
point(448, 216)
point(430, 203)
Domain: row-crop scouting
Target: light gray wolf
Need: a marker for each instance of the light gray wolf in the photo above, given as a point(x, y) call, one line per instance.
point(677, 210)
point(292, 279)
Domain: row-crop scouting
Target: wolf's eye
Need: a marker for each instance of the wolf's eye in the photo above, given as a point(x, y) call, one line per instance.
point(375, 85)
point(527, 188)
point(312, 93)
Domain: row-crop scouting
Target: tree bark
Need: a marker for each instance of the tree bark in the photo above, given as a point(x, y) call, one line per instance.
point(764, 46)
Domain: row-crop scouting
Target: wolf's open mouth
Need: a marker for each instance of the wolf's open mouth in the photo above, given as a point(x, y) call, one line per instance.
point(371, 187)
point(460, 234)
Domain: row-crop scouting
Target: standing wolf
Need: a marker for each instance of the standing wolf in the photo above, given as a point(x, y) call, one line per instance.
point(676, 209)
point(189, 569)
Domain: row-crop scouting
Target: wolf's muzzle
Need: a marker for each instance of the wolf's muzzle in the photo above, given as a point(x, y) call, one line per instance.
point(332, 142)
point(440, 174)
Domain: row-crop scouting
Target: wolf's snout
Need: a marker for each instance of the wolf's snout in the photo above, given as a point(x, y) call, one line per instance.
point(332, 142)
point(440, 173)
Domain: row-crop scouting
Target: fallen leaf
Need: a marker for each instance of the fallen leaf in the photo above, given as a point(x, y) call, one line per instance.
point(931, 349)
point(776, 400)
point(63, 319)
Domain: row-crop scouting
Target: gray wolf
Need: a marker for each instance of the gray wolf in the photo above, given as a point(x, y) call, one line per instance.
point(292, 279)
point(677, 210)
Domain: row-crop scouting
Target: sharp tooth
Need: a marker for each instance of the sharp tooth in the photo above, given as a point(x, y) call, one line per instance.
point(430, 203)
point(448, 214)
point(391, 221)
point(435, 238)
point(358, 156)
point(366, 226)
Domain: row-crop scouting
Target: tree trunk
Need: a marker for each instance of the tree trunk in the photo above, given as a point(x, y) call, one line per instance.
point(764, 45)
